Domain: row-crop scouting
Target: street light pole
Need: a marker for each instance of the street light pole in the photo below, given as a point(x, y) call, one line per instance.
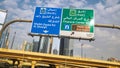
point(39, 44)
point(82, 50)
point(29, 21)
point(11, 22)
point(13, 40)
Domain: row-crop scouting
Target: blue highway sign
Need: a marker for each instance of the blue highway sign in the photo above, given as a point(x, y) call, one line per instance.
point(46, 21)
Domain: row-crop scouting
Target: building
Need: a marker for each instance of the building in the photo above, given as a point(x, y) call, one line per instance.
point(35, 46)
point(45, 44)
point(42, 45)
point(26, 46)
point(55, 51)
point(66, 46)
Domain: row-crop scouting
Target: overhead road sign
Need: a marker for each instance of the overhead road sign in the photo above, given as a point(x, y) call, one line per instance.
point(46, 21)
point(74, 23)
point(78, 23)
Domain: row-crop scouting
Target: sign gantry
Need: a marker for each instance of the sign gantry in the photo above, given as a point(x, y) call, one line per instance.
point(76, 23)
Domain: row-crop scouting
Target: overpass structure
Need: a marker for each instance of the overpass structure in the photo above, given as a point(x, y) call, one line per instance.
point(34, 58)
point(57, 60)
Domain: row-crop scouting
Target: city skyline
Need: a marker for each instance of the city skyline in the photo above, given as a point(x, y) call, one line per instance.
point(107, 41)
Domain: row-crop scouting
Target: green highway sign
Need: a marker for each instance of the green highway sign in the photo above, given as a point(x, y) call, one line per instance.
point(77, 23)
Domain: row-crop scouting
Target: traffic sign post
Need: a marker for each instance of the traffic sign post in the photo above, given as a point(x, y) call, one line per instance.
point(78, 23)
point(46, 21)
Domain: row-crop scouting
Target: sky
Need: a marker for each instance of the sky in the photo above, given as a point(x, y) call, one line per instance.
point(106, 43)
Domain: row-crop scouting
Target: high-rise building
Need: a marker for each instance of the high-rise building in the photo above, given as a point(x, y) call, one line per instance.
point(35, 46)
point(66, 47)
point(4, 39)
point(42, 45)
point(45, 44)
point(26, 46)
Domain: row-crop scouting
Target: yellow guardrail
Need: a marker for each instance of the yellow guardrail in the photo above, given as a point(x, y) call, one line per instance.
point(56, 59)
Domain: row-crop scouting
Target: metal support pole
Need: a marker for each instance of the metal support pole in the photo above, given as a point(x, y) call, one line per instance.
point(51, 42)
point(13, 40)
point(57, 66)
point(39, 44)
point(20, 64)
point(107, 26)
point(82, 50)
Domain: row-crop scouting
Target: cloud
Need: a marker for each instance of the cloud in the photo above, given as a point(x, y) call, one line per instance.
point(38, 2)
point(7, 4)
point(78, 3)
point(113, 9)
point(99, 6)
point(27, 7)
point(108, 14)
point(55, 3)
point(23, 14)
point(111, 3)
point(102, 33)
point(85, 45)
point(27, 1)
point(108, 34)
point(107, 40)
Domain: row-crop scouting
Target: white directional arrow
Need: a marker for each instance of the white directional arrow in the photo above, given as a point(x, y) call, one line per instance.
point(38, 16)
point(45, 31)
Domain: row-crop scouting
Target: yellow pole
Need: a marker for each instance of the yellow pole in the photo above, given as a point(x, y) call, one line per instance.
point(57, 66)
point(20, 65)
point(33, 64)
